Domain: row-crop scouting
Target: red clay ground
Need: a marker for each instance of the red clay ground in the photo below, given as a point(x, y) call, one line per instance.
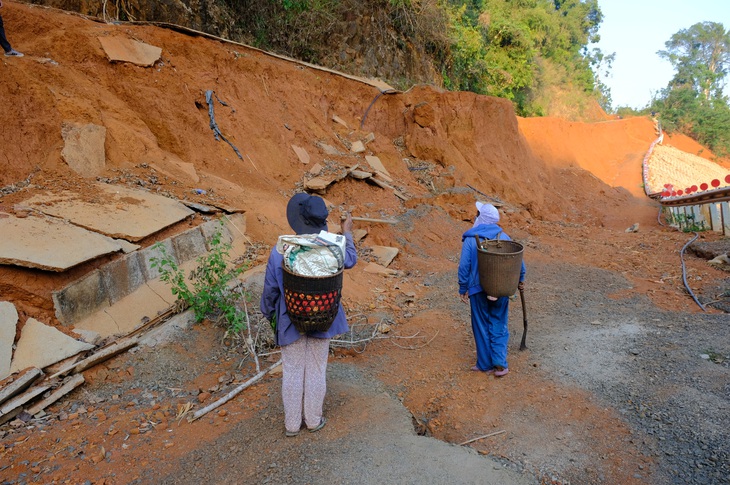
point(570, 190)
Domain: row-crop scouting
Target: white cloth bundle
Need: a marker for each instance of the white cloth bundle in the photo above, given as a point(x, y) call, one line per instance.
point(320, 254)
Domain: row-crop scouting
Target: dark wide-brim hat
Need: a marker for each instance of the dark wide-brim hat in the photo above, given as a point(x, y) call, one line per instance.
point(307, 214)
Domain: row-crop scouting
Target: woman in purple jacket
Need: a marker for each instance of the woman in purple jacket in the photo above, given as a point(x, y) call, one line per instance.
point(304, 356)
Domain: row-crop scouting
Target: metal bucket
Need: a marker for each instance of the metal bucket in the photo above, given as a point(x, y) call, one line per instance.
point(499, 263)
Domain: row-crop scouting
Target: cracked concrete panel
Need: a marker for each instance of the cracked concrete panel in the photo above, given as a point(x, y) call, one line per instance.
point(8, 323)
point(83, 148)
point(121, 49)
point(125, 315)
point(49, 244)
point(117, 211)
point(41, 345)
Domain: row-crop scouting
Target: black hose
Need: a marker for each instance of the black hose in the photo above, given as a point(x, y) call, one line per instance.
point(365, 116)
point(684, 272)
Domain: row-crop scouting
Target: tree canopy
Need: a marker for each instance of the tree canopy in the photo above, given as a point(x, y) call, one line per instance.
point(693, 102)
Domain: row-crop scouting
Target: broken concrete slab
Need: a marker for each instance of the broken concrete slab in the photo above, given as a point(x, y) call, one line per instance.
point(202, 208)
point(358, 234)
point(360, 175)
point(301, 154)
point(357, 147)
point(8, 323)
point(339, 120)
point(88, 336)
point(376, 164)
point(384, 254)
point(127, 247)
point(117, 211)
point(316, 169)
point(375, 268)
point(41, 345)
point(83, 148)
point(369, 138)
point(121, 49)
point(49, 244)
point(329, 149)
point(319, 183)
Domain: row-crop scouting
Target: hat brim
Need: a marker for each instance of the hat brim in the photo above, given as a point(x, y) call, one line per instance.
point(295, 219)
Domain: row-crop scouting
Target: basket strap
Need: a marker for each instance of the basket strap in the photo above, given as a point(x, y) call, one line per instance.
point(479, 244)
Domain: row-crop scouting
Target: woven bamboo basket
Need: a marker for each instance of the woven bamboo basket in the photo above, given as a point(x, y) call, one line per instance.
point(499, 263)
point(312, 302)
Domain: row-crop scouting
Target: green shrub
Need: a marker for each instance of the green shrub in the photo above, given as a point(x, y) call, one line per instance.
point(210, 295)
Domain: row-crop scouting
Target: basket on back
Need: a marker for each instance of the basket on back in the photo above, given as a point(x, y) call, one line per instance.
point(499, 263)
point(312, 302)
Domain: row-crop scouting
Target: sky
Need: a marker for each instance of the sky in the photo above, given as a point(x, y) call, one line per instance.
point(635, 30)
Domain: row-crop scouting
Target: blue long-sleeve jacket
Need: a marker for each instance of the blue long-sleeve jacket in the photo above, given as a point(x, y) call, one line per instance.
point(468, 269)
point(272, 301)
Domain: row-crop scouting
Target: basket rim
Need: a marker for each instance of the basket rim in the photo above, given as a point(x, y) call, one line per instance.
point(311, 277)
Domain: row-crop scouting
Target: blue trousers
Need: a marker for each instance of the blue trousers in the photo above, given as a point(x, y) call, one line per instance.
point(4, 41)
point(491, 333)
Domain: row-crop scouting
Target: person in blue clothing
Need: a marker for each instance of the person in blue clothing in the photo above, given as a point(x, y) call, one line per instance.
point(488, 314)
point(304, 356)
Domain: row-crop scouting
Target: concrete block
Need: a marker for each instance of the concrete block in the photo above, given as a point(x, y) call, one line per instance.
point(209, 229)
point(8, 323)
point(357, 147)
point(80, 299)
point(41, 345)
point(153, 251)
point(189, 244)
point(123, 276)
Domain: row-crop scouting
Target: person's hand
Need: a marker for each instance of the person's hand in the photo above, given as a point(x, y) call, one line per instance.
point(521, 285)
point(464, 297)
point(347, 224)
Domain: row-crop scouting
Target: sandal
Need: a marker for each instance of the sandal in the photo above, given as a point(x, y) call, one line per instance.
point(477, 369)
point(319, 426)
point(501, 372)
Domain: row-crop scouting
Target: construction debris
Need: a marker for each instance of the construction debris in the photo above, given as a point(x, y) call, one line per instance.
point(67, 387)
point(8, 323)
point(18, 383)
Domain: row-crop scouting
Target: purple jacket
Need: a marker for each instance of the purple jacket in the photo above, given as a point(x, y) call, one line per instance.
point(272, 302)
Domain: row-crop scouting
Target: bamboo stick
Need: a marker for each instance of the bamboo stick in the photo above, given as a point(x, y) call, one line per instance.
point(368, 219)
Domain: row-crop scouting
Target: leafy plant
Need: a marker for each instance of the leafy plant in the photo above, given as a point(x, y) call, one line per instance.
point(208, 291)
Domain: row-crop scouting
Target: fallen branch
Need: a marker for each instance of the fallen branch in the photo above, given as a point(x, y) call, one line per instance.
point(232, 394)
point(481, 437)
